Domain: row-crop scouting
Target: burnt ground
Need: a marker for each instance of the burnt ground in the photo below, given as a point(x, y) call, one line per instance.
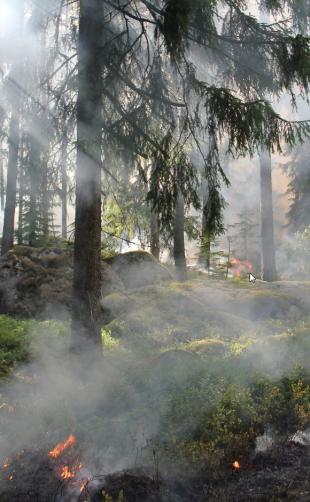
point(281, 473)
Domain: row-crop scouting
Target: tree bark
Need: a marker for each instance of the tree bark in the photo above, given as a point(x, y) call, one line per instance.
point(14, 138)
point(21, 194)
point(154, 222)
point(34, 186)
point(45, 200)
point(269, 272)
point(10, 202)
point(155, 246)
point(64, 188)
point(179, 242)
point(87, 246)
point(205, 249)
point(1, 185)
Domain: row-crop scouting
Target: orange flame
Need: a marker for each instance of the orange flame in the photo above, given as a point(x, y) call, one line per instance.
point(6, 463)
point(70, 473)
point(240, 267)
point(61, 447)
point(83, 485)
point(11, 477)
point(236, 465)
point(66, 473)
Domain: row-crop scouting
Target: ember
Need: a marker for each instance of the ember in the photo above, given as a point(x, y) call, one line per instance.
point(84, 485)
point(236, 465)
point(6, 464)
point(61, 447)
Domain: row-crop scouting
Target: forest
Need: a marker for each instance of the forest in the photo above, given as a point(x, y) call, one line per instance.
point(154, 250)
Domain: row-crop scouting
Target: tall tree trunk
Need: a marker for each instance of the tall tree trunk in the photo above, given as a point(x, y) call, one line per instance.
point(45, 200)
point(2, 191)
point(205, 247)
point(21, 194)
point(14, 137)
point(155, 246)
point(269, 272)
point(154, 223)
point(64, 187)
point(87, 246)
point(10, 202)
point(34, 186)
point(179, 242)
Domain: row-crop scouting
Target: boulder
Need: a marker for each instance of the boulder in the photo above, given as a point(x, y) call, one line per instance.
point(37, 282)
point(138, 269)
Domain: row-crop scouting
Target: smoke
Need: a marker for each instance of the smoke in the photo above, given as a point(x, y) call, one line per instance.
point(46, 401)
point(163, 335)
point(164, 341)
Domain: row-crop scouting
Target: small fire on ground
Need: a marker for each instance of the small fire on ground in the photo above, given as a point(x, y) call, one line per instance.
point(6, 463)
point(236, 465)
point(69, 469)
point(61, 447)
point(239, 268)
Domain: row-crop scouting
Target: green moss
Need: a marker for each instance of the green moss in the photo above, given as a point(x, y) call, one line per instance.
point(240, 345)
point(117, 328)
point(107, 253)
point(209, 346)
point(108, 341)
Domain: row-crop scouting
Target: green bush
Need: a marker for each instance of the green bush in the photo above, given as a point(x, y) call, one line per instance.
point(21, 340)
point(14, 345)
point(214, 421)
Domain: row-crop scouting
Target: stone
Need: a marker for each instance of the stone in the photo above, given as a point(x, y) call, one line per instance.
point(138, 269)
point(37, 282)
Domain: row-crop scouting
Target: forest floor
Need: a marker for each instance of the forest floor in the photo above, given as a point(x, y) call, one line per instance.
point(202, 385)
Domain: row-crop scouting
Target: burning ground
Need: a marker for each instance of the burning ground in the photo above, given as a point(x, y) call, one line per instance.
point(195, 378)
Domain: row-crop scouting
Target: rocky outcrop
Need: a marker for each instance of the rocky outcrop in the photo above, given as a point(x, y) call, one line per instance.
point(37, 282)
point(138, 269)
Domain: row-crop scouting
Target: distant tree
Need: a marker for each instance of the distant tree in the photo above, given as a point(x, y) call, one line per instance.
point(2, 192)
point(35, 180)
point(268, 266)
point(212, 222)
point(154, 227)
point(15, 98)
point(245, 236)
point(10, 201)
point(298, 170)
point(178, 239)
point(155, 235)
point(64, 186)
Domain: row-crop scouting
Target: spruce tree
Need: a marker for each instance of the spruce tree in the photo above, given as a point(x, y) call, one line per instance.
point(15, 98)
point(140, 109)
point(298, 170)
point(87, 244)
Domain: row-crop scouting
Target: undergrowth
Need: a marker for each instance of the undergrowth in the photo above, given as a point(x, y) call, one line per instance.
point(206, 400)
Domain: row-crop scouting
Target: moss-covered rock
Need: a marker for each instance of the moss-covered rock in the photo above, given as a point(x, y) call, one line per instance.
point(138, 268)
point(38, 281)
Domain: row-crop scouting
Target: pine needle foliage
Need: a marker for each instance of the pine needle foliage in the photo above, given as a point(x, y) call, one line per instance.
point(161, 98)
